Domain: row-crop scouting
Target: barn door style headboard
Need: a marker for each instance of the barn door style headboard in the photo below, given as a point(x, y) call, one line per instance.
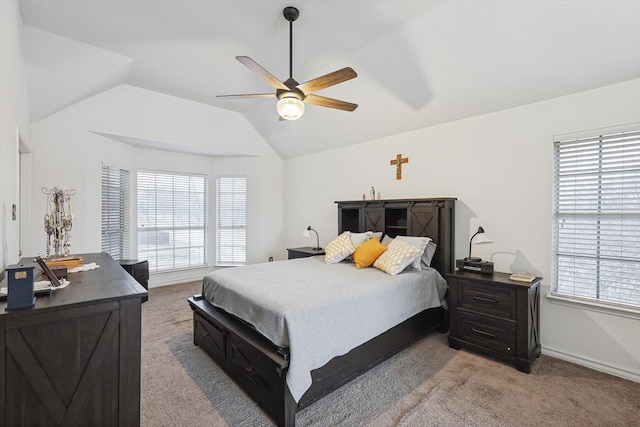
point(433, 218)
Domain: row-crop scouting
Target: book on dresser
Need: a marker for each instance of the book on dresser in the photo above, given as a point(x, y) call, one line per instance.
point(523, 277)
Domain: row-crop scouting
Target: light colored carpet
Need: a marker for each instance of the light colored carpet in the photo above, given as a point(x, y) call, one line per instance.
point(428, 384)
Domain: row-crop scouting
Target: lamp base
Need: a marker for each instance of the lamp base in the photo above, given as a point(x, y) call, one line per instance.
point(473, 259)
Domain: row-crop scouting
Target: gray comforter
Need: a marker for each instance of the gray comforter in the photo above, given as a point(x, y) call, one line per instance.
point(321, 311)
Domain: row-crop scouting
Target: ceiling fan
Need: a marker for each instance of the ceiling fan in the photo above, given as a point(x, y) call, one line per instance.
point(292, 95)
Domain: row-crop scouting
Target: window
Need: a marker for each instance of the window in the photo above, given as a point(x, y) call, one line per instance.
point(231, 214)
point(597, 218)
point(115, 212)
point(172, 220)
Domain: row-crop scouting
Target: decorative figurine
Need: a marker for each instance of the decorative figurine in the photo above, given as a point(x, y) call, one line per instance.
point(58, 219)
point(373, 193)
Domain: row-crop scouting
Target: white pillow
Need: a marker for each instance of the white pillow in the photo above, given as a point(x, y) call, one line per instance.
point(398, 255)
point(427, 256)
point(386, 240)
point(339, 248)
point(418, 242)
point(359, 238)
point(375, 234)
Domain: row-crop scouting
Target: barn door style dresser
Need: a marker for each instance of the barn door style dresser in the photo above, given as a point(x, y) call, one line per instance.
point(74, 359)
point(491, 314)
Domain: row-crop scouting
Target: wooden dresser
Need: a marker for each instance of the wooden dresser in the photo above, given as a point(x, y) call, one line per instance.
point(493, 315)
point(74, 359)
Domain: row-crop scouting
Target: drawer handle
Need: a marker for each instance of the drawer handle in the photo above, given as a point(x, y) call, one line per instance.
point(489, 334)
point(484, 299)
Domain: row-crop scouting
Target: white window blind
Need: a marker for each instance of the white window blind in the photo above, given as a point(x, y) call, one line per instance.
point(231, 214)
point(115, 212)
point(172, 220)
point(597, 218)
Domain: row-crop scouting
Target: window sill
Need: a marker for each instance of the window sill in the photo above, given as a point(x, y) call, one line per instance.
point(587, 304)
point(178, 270)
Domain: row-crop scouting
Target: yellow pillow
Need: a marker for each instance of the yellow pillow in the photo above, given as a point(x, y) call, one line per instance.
point(366, 253)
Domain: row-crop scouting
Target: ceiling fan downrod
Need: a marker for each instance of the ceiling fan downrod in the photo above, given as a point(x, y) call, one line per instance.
point(290, 14)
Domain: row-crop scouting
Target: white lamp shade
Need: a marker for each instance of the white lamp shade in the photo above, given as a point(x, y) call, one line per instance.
point(482, 238)
point(306, 233)
point(290, 108)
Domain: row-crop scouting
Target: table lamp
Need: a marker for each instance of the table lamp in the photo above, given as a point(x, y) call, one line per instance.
point(482, 238)
point(306, 233)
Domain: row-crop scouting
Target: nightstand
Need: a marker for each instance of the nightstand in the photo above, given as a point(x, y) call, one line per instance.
point(304, 252)
point(493, 315)
point(139, 269)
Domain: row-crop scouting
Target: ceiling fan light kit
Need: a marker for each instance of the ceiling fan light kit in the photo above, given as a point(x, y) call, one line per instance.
point(290, 93)
point(290, 108)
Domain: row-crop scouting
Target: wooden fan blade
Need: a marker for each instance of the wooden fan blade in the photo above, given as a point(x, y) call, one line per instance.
point(248, 95)
point(267, 76)
point(330, 102)
point(327, 80)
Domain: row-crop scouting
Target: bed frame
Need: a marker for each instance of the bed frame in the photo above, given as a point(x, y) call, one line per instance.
point(260, 368)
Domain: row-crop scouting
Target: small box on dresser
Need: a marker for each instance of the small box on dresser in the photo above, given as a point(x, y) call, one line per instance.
point(496, 316)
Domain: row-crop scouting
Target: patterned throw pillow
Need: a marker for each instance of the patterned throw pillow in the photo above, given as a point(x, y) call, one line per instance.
point(367, 253)
point(398, 255)
point(339, 248)
point(418, 242)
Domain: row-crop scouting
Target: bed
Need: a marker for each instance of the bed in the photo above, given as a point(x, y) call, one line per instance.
point(269, 342)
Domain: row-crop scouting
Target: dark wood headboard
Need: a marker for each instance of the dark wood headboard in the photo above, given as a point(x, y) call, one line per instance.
point(434, 218)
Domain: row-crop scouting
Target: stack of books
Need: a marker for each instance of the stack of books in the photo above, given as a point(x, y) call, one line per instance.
point(66, 261)
point(523, 277)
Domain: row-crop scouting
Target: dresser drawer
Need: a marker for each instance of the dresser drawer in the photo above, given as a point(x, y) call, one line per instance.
point(489, 299)
point(488, 332)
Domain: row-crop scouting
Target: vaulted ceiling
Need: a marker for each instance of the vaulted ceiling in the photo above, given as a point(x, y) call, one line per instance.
point(419, 62)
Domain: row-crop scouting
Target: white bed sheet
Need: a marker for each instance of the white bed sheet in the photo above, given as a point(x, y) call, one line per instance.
point(321, 311)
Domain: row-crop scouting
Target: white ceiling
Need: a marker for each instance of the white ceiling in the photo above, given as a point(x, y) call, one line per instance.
point(419, 62)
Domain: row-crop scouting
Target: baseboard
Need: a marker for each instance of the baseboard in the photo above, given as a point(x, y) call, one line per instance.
point(174, 282)
point(612, 370)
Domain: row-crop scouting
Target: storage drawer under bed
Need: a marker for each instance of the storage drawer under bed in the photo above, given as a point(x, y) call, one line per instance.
point(255, 364)
point(210, 337)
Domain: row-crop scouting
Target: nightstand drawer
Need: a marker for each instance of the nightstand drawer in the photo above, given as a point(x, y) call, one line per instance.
point(489, 299)
point(488, 332)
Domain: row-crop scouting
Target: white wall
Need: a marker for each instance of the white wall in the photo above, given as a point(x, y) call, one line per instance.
point(14, 122)
point(500, 167)
point(67, 152)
